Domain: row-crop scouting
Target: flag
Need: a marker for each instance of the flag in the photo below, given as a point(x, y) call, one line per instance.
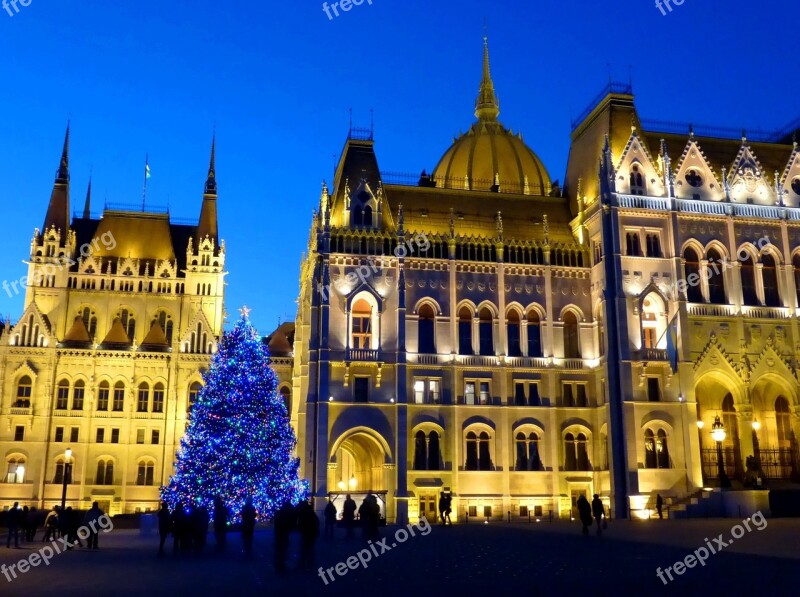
point(672, 343)
point(146, 171)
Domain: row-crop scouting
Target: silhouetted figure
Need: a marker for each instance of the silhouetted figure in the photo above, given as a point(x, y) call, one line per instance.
point(33, 524)
point(349, 515)
point(200, 521)
point(181, 533)
point(308, 525)
point(220, 522)
point(442, 507)
point(370, 514)
point(448, 508)
point(13, 520)
point(330, 519)
point(598, 511)
point(51, 525)
point(585, 513)
point(73, 524)
point(248, 526)
point(93, 516)
point(284, 523)
point(660, 506)
point(24, 522)
point(164, 526)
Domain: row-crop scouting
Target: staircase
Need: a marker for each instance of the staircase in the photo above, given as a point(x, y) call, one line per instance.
point(700, 504)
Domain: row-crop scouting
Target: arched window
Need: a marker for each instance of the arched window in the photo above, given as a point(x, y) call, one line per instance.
point(729, 419)
point(286, 396)
point(103, 393)
point(633, 244)
point(484, 452)
point(769, 274)
point(105, 472)
point(485, 332)
point(514, 348)
point(143, 400)
point(16, 470)
point(367, 215)
point(62, 395)
point(649, 449)
point(158, 398)
point(472, 452)
point(653, 245)
point(662, 450)
point(522, 453)
point(716, 278)
point(654, 322)
point(427, 344)
point(576, 453)
point(128, 322)
point(796, 266)
point(570, 459)
point(433, 451)
point(420, 451)
point(783, 421)
point(528, 458)
point(479, 457)
point(693, 292)
point(77, 395)
point(24, 388)
point(61, 470)
point(583, 454)
point(144, 473)
point(637, 181)
point(165, 321)
point(119, 397)
point(90, 321)
point(194, 393)
point(465, 331)
point(749, 281)
point(572, 348)
point(534, 334)
point(362, 325)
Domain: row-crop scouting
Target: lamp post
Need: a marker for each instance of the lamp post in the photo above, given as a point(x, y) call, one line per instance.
point(66, 477)
point(718, 435)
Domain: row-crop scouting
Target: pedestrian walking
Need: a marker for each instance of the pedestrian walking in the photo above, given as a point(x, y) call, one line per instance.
point(308, 525)
point(284, 523)
point(585, 513)
point(330, 519)
point(91, 522)
point(349, 515)
point(599, 512)
point(200, 520)
point(73, 523)
point(33, 524)
point(13, 520)
point(248, 526)
point(51, 525)
point(220, 523)
point(448, 508)
point(164, 526)
point(442, 508)
point(660, 506)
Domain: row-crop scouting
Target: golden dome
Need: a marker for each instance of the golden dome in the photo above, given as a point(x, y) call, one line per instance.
point(489, 156)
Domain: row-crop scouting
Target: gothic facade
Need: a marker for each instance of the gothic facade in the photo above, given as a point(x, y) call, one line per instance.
point(484, 331)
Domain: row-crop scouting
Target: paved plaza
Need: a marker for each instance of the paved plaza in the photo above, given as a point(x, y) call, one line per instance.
point(464, 560)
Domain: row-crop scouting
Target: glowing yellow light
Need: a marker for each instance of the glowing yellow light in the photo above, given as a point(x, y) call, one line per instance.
point(756, 425)
point(353, 482)
point(342, 485)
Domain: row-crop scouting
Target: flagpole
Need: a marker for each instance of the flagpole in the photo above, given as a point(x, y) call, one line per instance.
point(144, 190)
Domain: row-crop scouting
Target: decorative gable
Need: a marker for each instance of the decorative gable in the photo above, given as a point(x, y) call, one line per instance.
point(694, 178)
point(636, 172)
point(32, 329)
point(746, 179)
point(715, 358)
point(199, 337)
point(769, 361)
point(790, 181)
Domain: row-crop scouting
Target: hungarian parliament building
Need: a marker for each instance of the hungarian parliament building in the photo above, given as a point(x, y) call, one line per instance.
point(478, 330)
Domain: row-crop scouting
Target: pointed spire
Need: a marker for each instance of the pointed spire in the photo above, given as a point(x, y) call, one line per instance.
point(58, 209)
point(211, 181)
point(87, 207)
point(487, 108)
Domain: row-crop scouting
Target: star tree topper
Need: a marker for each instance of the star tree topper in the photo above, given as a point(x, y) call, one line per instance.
point(245, 312)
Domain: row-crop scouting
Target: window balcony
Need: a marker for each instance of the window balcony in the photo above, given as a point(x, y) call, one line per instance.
point(363, 355)
point(20, 411)
point(650, 354)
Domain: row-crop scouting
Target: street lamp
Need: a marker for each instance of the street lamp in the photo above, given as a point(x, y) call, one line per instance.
point(718, 435)
point(66, 477)
point(700, 424)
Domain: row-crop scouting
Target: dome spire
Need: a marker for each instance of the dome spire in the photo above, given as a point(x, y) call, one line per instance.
point(486, 107)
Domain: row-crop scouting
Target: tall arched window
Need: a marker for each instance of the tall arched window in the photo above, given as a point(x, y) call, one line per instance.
point(749, 281)
point(769, 275)
point(119, 397)
point(165, 321)
point(144, 473)
point(633, 244)
point(103, 393)
point(194, 393)
point(514, 349)
point(78, 393)
point(158, 398)
point(367, 215)
point(572, 348)
point(362, 325)
point(472, 452)
point(24, 389)
point(796, 266)
point(16, 470)
point(427, 344)
point(484, 452)
point(286, 396)
point(716, 278)
point(105, 472)
point(694, 293)
point(522, 453)
point(528, 458)
point(433, 451)
point(420, 451)
point(570, 458)
point(662, 450)
point(486, 333)
point(582, 452)
point(62, 395)
point(90, 321)
point(653, 245)
point(783, 421)
point(576, 453)
point(534, 334)
point(649, 449)
point(465, 331)
point(128, 322)
point(637, 181)
point(143, 400)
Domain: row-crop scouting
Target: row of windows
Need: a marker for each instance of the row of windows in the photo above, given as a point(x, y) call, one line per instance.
point(123, 285)
point(104, 473)
point(100, 436)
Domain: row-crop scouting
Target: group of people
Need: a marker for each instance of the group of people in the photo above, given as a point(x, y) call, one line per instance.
point(303, 519)
point(188, 527)
point(589, 513)
point(369, 515)
point(23, 524)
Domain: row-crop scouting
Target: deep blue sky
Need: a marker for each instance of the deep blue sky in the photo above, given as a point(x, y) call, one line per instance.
point(277, 79)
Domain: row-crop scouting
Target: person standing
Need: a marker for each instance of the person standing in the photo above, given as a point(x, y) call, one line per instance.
point(164, 526)
point(33, 524)
point(442, 507)
point(585, 513)
point(93, 516)
point(349, 515)
point(598, 511)
point(448, 508)
point(220, 522)
point(308, 525)
point(13, 519)
point(284, 523)
point(660, 506)
point(248, 525)
point(51, 525)
point(330, 519)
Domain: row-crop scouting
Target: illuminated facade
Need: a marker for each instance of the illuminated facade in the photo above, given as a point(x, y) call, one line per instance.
point(485, 331)
point(122, 313)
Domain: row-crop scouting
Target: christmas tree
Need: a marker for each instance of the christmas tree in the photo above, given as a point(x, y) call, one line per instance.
point(239, 442)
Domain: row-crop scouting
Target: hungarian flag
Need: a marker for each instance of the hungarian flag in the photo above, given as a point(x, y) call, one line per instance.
point(146, 170)
point(672, 343)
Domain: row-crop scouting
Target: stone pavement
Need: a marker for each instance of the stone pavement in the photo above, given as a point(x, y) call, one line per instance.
point(475, 559)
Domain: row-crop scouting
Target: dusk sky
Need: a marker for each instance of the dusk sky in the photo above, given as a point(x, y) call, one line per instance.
point(277, 80)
